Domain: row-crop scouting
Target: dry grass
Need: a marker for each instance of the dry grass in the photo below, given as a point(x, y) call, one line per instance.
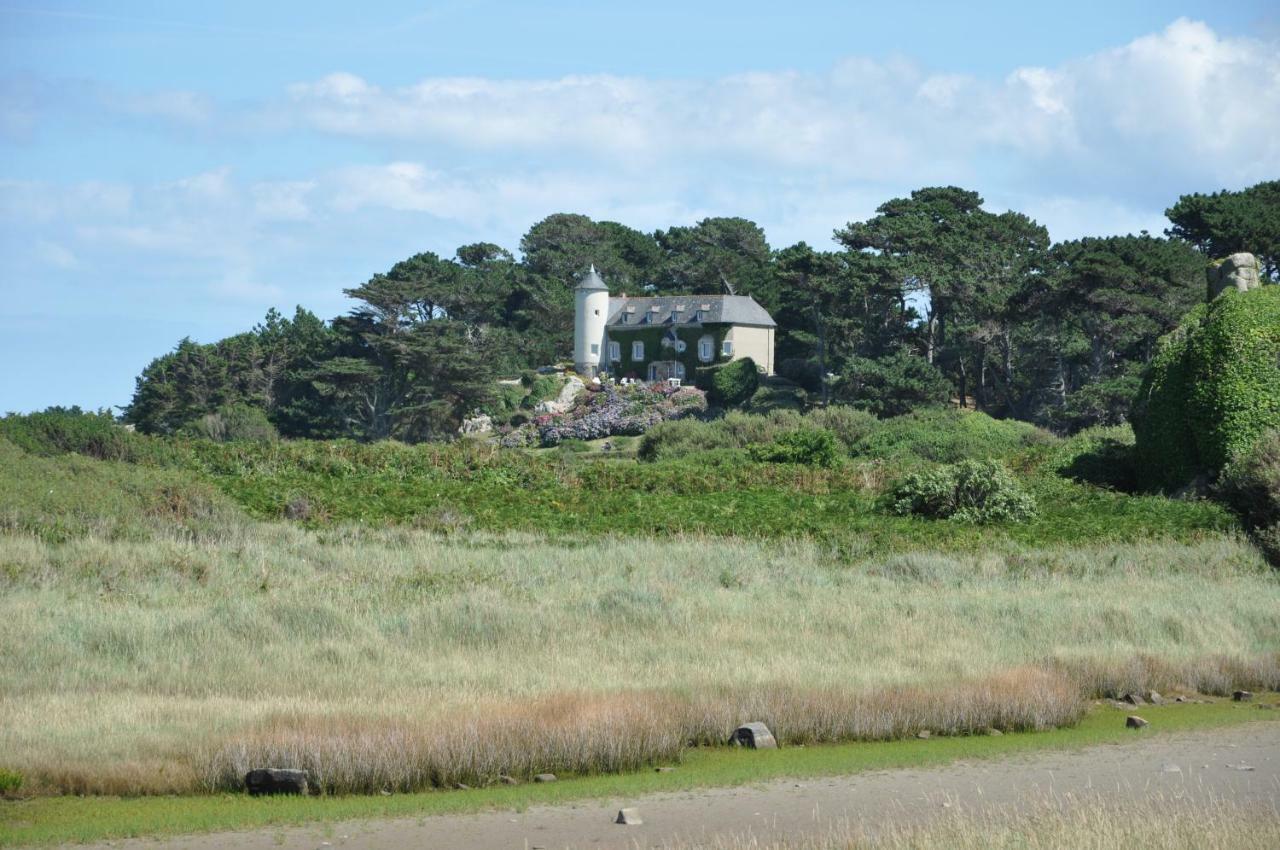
point(1091, 824)
point(399, 659)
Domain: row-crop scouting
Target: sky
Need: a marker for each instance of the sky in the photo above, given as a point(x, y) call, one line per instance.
point(173, 170)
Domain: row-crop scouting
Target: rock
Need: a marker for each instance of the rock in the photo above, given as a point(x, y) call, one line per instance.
point(628, 817)
point(1180, 698)
point(1154, 698)
point(1241, 766)
point(476, 426)
point(1133, 721)
point(564, 401)
point(663, 769)
point(1240, 272)
point(272, 780)
point(508, 780)
point(545, 777)
point(461, 786)
point(1242, 696)
point(1133, 699)
point(995, 733)
point(754, 735)
point(923, 734)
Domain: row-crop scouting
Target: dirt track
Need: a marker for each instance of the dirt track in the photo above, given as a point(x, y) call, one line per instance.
point(1241, 764)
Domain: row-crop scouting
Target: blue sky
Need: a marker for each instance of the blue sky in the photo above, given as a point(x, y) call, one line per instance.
point(171, 170)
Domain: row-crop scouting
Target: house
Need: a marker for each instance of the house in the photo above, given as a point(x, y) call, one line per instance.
point(665, 336)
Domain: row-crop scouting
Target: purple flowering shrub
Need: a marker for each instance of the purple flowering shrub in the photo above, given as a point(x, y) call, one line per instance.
point(607, 412)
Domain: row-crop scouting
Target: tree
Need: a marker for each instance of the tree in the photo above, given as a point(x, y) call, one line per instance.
point(1227, 222)
point(715, 254)
point(962, 264)
point(1091, 323)
point(563, 246)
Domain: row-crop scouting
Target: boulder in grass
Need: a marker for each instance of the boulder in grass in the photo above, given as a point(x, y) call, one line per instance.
point(271, 780)
point(1133, 699)
point(545, 777)
point(756, 736)
point(628, 817)
point(1242, 696)
point(1133, 721)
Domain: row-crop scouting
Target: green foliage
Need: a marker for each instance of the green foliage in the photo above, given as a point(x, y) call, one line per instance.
point(803, 371)
point(777, 395)
point(1226, 222)
point(10, 781)
point(979, 491)
point(540, 388)
point(808, 446)
point(729, 384)
point(894, 385)
point(1250, 485)
point(948, 436)
point(230, 423)
point(63, 430)
point(1101, 456)
point(1212, 389)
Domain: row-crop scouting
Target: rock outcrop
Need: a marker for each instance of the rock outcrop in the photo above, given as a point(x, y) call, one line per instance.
point(1240, 272)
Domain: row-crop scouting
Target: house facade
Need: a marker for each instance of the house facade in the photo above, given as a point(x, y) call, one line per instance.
point(654, 338)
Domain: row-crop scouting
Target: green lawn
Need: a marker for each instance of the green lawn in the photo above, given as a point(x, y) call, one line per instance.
point(64, 820)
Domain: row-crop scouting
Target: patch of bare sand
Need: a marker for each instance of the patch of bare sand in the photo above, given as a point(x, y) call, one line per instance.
point(1240, 764)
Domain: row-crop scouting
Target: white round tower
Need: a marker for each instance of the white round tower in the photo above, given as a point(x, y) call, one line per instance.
point(591, 311)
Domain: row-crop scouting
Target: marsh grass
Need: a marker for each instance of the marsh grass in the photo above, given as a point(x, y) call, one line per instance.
point(1051, 824)
point(400, 659)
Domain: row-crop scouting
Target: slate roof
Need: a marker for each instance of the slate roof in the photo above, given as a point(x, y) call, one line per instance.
point(592, 280)
point(683, 309)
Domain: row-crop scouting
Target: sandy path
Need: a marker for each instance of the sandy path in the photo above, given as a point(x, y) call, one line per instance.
point(1191, 765)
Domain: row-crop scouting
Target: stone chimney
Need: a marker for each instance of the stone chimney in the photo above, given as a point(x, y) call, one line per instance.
point(1240, 272)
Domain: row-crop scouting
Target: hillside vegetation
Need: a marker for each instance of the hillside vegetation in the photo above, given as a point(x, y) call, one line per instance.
point(397, 617)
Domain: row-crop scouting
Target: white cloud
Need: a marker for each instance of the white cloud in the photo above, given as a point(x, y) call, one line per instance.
point(1184, 102)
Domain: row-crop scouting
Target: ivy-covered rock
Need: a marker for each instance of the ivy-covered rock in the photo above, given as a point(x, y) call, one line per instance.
point(609, 412)
point(729, 384)
point(1212, 389)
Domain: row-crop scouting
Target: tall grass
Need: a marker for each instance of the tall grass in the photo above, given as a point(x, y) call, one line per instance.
point(396, 658)
point(1160, 823)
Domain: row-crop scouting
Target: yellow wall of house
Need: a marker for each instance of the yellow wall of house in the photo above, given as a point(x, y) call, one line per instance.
point(753, 342)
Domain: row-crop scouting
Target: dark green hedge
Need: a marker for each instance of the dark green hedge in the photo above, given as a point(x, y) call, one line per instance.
point(1212, 389)
point(729, 384)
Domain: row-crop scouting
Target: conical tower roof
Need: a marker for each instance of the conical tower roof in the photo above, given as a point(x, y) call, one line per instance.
point(592, 280)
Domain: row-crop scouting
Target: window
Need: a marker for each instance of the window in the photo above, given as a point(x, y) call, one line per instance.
point(615, 352)
point(727, 348)
point(706, 349)
point(597, 312)
point(637, 350)
point(680, 346)
point(595, 348)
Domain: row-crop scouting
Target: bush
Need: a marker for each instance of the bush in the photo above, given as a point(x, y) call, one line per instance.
point(10, 781)
point(849, 424)
point(948, 436)
point(1100, 456)
point(231, 424)
point(894, 385)
point(980, 491)
point(729, 384)
point(1212, 389)
point(809, 446)
point(803, 371)
point(1251, 486)
point(64, 430)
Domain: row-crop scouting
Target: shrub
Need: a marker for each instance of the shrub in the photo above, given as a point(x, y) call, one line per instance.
point(10, 781)
point(1251, 486)
point(729, 384)
point(63, 430)
point(849, 424)
point(233, 423)
point(894, 385)
point(947, 436)
point(803, 371)
point(1212, 389)
point(809, 446)
point(1100, 456)
point(970, 491)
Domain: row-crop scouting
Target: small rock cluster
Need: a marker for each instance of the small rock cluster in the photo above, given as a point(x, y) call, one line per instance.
point(606, 411)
